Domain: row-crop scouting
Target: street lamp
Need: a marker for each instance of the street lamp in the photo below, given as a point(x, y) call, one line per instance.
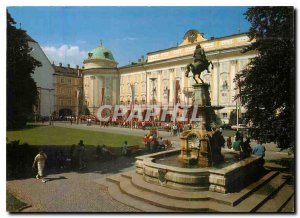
point(77, 105)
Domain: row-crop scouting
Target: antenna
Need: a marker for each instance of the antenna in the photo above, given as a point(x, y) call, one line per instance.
point(101, 42)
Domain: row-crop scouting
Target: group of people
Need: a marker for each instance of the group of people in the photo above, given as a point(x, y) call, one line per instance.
point(153, 143)
point(244, 146)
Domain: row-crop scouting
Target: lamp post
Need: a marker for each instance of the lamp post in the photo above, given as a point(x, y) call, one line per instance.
point(77, 105)
point(153, 90)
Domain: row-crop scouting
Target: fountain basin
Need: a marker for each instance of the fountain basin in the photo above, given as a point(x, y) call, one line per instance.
point(226, 179)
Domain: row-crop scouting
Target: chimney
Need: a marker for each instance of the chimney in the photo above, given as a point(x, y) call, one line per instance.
point(60, 64)
point(68, 65)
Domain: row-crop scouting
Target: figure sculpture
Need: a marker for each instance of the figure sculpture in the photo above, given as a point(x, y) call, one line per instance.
point(199, 65)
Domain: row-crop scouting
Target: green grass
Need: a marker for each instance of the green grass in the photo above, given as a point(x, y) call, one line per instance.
point(12, 203)
point(53, 135)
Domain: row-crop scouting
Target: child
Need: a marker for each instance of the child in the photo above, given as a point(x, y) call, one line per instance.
point(40, 159)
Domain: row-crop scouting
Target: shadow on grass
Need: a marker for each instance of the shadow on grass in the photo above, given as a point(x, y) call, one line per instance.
point(31, 126)
point(54, 166)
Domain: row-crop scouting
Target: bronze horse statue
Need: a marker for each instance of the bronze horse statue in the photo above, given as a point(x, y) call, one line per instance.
point(198, 69)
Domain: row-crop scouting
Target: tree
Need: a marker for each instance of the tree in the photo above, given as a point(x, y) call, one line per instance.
point(267, 84)
point(21, 89)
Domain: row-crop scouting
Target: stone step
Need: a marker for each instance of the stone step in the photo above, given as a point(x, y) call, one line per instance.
point(237, 197)
point(115, 192)
point(260, 193)
point(260, 196)
point(277, 202)
point(138, 181)
point(230, 199)
point(290, 206)
point(173, 204)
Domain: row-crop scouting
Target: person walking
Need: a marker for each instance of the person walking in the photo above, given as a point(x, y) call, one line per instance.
point(81, 150)
point(40, 160)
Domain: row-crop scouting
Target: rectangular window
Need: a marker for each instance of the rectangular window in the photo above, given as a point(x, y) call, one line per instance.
point(69, 102)
point(224, 115)
point(62, 80)
point(69, 81)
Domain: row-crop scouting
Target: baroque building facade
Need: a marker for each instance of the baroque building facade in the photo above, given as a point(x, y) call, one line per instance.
point(161, 78)
point(68, 90)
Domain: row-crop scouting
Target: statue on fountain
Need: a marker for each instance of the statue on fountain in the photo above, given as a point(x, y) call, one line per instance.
point(199, 65)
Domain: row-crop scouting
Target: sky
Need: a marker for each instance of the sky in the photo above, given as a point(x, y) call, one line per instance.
point(67, 34)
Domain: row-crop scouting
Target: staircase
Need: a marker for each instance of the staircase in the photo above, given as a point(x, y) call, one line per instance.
point(271, 193)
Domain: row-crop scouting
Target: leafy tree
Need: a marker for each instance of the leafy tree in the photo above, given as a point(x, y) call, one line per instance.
point(267, 84)
point(21, 89)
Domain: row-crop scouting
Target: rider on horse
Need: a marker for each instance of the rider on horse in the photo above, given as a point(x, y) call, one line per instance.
point(199, 64)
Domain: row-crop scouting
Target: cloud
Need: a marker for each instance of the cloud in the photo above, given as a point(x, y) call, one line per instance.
point(65, 54)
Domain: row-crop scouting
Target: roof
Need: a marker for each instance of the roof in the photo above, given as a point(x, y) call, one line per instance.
point(101, 53)
point(29, 38)
point(67, 71)
point(214, 39)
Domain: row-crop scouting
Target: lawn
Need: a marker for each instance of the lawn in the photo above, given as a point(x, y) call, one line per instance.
point(12, 203)
point(53, 135)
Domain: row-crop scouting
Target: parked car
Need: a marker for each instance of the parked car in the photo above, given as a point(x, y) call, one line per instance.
point(240, 126)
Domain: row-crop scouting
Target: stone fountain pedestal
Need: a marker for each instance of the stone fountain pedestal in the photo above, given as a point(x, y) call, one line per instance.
point(195, 147)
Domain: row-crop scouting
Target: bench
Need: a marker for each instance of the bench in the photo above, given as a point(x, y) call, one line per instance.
point(133, 149)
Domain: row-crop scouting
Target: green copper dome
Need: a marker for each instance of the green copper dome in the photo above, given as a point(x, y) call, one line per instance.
point(101, 53)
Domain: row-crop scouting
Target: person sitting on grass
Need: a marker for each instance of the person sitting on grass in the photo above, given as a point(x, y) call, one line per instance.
point(40, 160)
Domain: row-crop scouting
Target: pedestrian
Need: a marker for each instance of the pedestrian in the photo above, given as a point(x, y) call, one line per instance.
point(81, 149)
point(229, 143)
point(125, 150)
point(40, 160)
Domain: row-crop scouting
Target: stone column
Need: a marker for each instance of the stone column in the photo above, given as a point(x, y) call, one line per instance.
point(232, 76)
point(215, 90)
point(159, 90)
point(171, 85)
point(148, 91)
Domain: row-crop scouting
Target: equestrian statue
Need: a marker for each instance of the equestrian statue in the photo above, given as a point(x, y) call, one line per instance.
point(199, 65)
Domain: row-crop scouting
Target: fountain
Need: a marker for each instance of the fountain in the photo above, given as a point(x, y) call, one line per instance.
point(203, 166)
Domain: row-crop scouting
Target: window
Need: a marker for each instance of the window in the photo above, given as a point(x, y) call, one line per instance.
point(69, 81)
point(62, 80)
point(69, 102)
point(224, 115)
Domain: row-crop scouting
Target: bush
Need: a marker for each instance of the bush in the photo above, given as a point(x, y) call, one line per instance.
point(19, 158)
